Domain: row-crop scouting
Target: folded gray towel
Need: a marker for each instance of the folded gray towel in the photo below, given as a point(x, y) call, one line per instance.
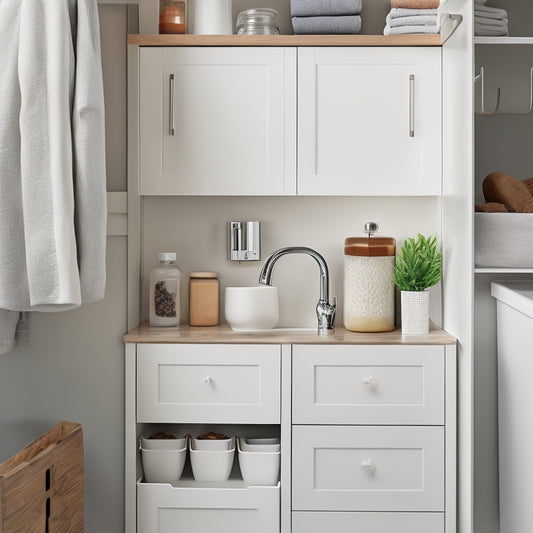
point(326, 25)
point(319, 8)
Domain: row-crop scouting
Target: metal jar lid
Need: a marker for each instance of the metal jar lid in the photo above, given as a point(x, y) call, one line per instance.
point(370, 246)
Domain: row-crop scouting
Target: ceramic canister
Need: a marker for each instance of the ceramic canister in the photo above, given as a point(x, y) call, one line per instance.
point(369, 282)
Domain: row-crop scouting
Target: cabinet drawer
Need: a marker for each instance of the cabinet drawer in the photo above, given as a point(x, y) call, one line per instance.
point(199, 383)
point(166, 509)
point(365, 468)
point(368, 522)
point(368, 385)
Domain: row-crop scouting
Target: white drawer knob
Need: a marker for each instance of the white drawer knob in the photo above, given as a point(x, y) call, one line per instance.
point(370, 382)
point(368, 465)
point(209, 380)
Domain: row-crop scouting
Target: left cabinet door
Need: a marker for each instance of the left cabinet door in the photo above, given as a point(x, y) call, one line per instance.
point(217, 121)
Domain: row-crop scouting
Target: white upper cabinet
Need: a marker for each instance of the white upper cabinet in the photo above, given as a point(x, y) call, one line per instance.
point(217, 121)
point(284, 121)
point(369, 121)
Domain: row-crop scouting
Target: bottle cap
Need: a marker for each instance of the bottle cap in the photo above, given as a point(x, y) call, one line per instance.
point(167, 256)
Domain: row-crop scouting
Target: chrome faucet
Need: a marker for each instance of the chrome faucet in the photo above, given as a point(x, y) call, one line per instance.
point(325, 311)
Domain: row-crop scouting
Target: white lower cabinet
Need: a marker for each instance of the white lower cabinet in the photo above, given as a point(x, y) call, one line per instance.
point(367, 436)
point(167, 509)
point(320, 522)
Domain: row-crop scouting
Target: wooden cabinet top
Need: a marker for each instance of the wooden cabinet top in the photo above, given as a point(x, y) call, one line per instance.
point(225, 335)
point(299, 40)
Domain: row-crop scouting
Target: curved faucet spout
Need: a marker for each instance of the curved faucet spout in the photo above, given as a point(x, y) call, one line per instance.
point(325, 309)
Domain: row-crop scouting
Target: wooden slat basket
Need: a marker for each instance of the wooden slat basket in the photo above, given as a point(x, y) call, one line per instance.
point(41, 487)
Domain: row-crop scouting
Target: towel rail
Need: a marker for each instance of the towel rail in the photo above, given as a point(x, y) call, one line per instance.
point(481, 77)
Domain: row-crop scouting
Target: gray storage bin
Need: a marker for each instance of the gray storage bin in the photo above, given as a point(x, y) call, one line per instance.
point(504, 240)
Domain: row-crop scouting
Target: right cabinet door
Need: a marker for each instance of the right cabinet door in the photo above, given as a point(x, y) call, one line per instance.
point(369, 121)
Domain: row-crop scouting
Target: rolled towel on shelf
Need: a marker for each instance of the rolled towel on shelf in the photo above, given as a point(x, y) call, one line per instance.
point(491, 207)
point(327, 25)
point(490, 16)
point(323, 8)
point(512, 193)
point(529, 184)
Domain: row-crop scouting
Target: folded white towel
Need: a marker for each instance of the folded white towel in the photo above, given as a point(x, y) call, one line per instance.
point(494, 16)
point(491, 22)
point(400, 30)
point(416, 20)
point(393, 28)
point(489, 30)
point(492, 10)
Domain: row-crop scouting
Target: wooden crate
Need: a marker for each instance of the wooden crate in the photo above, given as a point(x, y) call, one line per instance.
point(41, 487)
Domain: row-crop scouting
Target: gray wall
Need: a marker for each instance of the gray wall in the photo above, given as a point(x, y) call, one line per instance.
point(72, 369)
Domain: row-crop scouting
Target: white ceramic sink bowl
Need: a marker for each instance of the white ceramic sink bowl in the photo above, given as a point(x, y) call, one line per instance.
point(252, 308)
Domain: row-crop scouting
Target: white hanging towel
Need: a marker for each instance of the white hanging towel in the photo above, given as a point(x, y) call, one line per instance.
point(52, 155)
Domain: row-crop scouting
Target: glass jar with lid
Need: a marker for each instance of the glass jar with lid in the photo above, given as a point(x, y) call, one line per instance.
point(165, 292)
point(172, 16)
point(369, 282)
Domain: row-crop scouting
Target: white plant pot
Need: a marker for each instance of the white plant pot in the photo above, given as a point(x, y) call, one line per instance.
point(415, 312)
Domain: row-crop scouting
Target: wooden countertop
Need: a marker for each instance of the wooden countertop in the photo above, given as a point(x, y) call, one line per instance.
point(225, 335)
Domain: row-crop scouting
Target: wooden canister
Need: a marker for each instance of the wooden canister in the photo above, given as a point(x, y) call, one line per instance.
point(203, 298)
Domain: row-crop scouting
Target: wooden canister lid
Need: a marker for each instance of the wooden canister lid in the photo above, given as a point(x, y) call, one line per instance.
point(370, 246)
point(204, 275)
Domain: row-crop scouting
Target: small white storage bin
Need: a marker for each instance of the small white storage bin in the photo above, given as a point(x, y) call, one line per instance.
point(163, 444)
point(259, 467)
point(212, 465)
point(515, 403)
point(163, 466)
point(504, 240)
point(197, 508)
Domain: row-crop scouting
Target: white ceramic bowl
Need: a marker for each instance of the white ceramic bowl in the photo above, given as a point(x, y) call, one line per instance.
point(252, 308)
point(211, 465)
point(213, 444)
point(259, 468)
point(163, 444)
point(163, 466)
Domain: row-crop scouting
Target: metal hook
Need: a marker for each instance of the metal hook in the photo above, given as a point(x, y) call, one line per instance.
point(484, 112)
point(481, 76)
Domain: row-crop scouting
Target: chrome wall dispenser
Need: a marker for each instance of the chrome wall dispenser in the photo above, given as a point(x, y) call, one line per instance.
point(244, 241)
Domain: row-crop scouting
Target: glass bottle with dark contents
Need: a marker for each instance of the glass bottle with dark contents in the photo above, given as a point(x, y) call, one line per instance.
point(165, 292)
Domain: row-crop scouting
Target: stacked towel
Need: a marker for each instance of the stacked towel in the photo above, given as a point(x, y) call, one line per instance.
point(326, 16)
point(415, 16)
point(490, 21)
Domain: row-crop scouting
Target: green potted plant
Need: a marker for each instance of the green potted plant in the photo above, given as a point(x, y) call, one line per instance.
point(418, 267)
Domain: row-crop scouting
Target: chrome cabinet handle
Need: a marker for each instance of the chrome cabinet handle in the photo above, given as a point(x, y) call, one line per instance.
point(411, 105)
point(171, 130)
point(209, 380)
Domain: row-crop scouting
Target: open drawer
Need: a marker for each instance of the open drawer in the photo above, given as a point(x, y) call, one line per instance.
point(236, 508)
